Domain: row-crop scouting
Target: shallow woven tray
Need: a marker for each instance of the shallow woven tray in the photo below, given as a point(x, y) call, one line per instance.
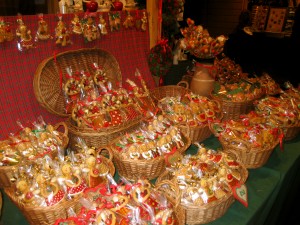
point(44, 215)
point(146, 169)
point(46, 82)
point(251, 158)
point(101, 137)
point(7, 172)
point(208, 212)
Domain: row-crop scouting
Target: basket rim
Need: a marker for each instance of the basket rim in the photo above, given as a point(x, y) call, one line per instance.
point(117, 155)
point(39, 69)
point(250, 101)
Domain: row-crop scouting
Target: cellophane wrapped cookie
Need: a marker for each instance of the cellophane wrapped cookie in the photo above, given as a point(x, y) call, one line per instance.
point(124, 203)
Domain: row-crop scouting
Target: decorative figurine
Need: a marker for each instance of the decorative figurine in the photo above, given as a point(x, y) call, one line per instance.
point(114, 21)
point(129, 21)
point(43, 30)
point(102, 25)
point(144, 22)
point(25, 41)
point(90, 30)
point(76, 25)
point(5, 31)
point(62, 34)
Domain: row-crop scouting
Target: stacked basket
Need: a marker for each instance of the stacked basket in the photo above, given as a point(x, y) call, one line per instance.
point(49, 77)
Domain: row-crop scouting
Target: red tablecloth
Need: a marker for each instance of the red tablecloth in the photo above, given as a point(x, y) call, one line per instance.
point(129, 46)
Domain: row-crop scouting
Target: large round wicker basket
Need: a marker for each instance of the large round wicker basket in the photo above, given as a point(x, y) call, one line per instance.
point(208, 212)
point(37, 215)
point(148, 169)
point(99, 137)
point(50, 73)
point(7, 172)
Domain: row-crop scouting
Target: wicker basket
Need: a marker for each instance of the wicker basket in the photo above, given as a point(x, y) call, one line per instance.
point(159, 93)
point(290, 132)
point(233, 110)
point(208, 212)
point(46, 82)
point(44, 215)
point(101, 137)
point(197, 133)
point(174, 197)
point(106, 157)
point(146, 169)
point(7, 172)
point(251, 158)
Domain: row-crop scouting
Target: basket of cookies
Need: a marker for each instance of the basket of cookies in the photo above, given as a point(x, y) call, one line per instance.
point(251, 138)
point(31, 142)
point(237, 98)
point(144, 152)
point(126, 202)
point(52, 81)
point(108, 112)
point(47, 189)
point(206, 180)
point(282, 112)
point(192, 111)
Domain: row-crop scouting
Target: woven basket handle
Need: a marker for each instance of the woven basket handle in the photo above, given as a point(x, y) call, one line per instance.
point(64, 125)
point(184, 84)
point(106, 152)
point(173, 191)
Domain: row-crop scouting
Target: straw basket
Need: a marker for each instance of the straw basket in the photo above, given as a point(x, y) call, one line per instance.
point(233, 110)
point(7, 172)
point(173, 196)
point(208, 212)
point(161, 92)
point(252, 157)
point(197, 133)
point(100, 137)
point(290, 132)
point(147, 169)
point(47, 84)
point(37, 215)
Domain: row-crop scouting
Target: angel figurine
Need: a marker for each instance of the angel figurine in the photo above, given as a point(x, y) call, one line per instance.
point(62, 34)
point(129, 21)
point(43, 30)
point(144, 22)
point(25, 41)
point(102, 25)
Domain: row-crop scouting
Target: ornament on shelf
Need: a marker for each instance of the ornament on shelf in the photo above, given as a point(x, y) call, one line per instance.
point(115, 21)
point(43, 29)
point(104, 6)
point(129, 21)
point(102, 25)
point(90, 30)
point(78, 6)
point(62, 34)
point(25, 41)
point(130, 4)
point(91, 6)
point(5, 31)
point(76, 25)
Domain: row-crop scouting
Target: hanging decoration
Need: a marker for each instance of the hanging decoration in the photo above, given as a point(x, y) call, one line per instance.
point(129, 21)
point(43, 32)
point(62, 34)
point(76, 25)
point(144, 22)
point(90, 30)
point(25, 41)
point(5, 31)
point(102, 25)
point(114, 21)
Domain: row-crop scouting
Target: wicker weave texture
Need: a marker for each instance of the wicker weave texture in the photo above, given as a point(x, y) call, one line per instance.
point(47, 78)
point(44, 215)
point(168, 91)
point(290, 133)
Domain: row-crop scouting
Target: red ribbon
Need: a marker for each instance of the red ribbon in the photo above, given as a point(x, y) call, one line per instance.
point(211, 68)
